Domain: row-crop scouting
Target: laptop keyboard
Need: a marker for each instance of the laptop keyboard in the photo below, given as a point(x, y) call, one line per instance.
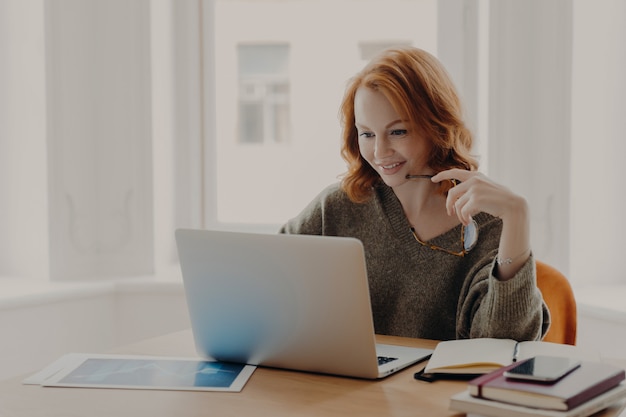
point(385, 359)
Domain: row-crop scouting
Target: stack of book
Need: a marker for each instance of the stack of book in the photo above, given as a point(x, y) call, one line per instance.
point(591, 387)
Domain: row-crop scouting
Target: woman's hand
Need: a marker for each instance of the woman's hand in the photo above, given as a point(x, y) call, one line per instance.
point(478, 193)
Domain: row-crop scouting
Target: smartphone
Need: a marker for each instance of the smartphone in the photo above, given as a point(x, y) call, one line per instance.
point(543, 368)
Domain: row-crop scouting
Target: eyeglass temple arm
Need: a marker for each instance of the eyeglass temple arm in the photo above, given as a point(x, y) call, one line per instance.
point(411, 177)
point(428, 176)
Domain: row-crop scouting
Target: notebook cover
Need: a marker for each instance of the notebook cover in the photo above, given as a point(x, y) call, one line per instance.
point(584, 383)
point(464, 402)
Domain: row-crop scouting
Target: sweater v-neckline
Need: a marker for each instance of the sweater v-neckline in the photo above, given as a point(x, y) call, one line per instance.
point(401, 226)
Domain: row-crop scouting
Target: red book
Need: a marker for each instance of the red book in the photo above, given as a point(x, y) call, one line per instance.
point(584, 383)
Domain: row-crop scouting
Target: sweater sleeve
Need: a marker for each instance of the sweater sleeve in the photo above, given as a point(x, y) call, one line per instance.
point(503, 309)
point(311, 220)
point(308, 222)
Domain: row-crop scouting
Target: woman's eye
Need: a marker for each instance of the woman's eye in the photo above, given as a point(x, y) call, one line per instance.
point(399, 132)
point(366, 134)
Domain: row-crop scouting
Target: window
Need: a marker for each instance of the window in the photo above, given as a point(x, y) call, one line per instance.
point(263, 94)
point(280, 73)
point(519, 93)
point(367, 50)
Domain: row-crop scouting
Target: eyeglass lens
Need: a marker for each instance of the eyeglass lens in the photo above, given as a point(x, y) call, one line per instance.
point(470, 236)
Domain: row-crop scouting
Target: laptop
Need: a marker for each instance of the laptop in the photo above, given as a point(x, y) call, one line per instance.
point(297, 302)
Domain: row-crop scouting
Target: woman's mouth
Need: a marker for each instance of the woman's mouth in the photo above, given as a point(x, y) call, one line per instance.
point(391, 168)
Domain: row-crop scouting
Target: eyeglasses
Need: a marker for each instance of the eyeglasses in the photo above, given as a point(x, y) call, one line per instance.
point(469, 237)
point(469, 233)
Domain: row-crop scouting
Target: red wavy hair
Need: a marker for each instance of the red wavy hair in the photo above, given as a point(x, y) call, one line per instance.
point(422, 93)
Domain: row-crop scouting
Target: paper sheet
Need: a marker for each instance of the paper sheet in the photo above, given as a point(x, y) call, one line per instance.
point(142, 372)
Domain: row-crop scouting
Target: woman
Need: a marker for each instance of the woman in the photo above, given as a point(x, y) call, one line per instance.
point(448, 250)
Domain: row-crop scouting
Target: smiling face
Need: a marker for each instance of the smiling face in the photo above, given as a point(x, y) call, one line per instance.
point(386, 141)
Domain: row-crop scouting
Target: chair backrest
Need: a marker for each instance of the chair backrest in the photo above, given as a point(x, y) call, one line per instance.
point(559, 297)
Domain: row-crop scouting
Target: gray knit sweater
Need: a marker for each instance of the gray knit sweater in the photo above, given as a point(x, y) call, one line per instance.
point(420, 292)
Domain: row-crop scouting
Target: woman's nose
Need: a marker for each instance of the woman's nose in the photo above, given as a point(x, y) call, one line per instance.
point(382, 148)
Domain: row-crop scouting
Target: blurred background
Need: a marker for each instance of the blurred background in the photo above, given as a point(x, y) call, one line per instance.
point(122, 120)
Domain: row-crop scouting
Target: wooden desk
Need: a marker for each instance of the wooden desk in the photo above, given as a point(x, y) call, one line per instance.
point(269, 392)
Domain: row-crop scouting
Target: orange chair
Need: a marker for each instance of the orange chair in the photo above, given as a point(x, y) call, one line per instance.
point(559, 297)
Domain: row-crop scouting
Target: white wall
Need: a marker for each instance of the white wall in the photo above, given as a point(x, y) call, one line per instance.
point(602, 325)
point(529, 117)
point(598, 147)
point(37, 327)
point(75, 139)
point(24, 237)
point(36, 334)
point(147, 309)
point(98, 135)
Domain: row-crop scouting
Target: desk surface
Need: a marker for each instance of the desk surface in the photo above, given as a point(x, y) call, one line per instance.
point(269, 392)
